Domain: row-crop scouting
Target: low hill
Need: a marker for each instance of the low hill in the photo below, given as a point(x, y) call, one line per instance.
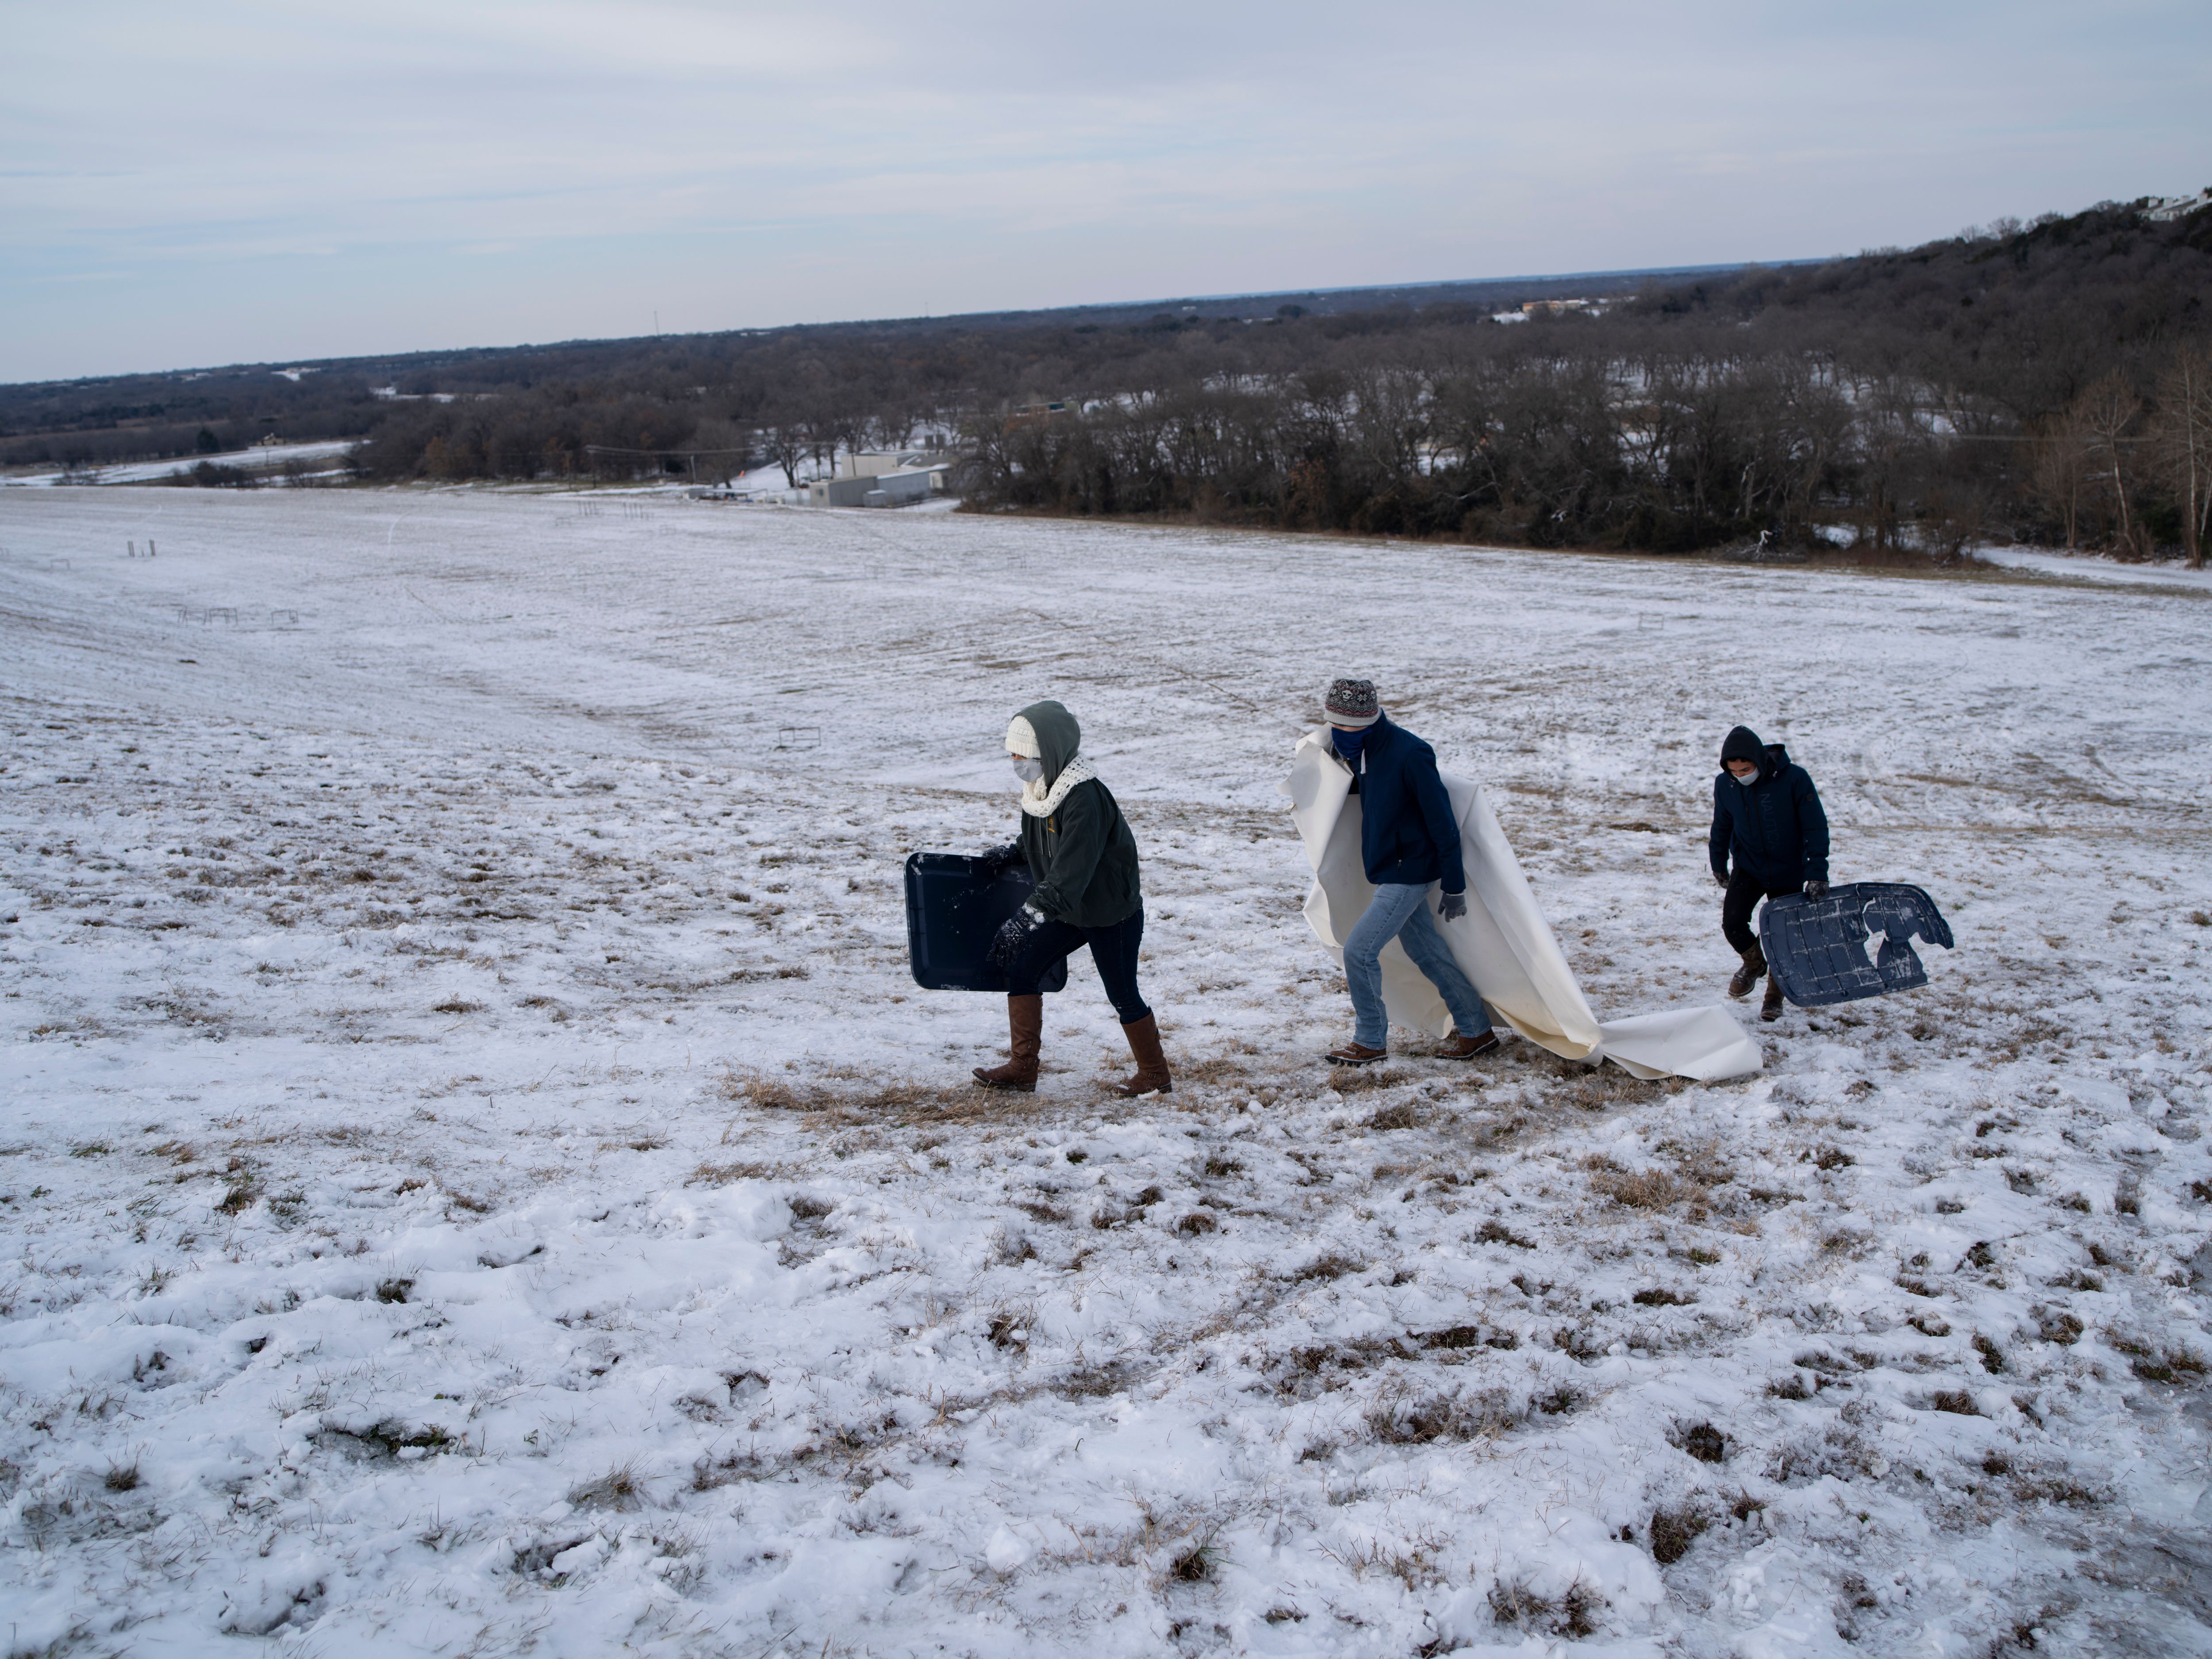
point(2027, 315)
point(2042, 382)
point(158, 415)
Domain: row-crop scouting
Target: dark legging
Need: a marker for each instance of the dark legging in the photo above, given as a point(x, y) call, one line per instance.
point(1745, 890)
point(1114, 949)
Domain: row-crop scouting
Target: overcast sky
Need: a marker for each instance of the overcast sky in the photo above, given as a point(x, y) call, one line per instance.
point(203, 184)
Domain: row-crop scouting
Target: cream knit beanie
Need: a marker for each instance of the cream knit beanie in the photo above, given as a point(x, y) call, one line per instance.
point(1021, 739)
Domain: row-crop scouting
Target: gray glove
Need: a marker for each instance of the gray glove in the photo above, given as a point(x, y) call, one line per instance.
point(1013, 933)
point(1455, 906)
point(1816, 890)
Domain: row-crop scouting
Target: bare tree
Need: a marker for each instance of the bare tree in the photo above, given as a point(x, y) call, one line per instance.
point(843, 425)
point(2107, 410)
point(1891, 438)
point(718, 450)
point(895, 419)
point(788, 438)
point(2060, 469)
point(2183, 443)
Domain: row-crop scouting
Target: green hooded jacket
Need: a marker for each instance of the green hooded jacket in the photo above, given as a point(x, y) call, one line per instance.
point(1083, 856)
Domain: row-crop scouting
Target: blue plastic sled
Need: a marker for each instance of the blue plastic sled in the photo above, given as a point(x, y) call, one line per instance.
point(1816, 948)
point(953, 912)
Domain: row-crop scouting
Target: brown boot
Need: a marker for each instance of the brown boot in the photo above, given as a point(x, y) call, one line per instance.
point(1457, 1047)
point(1755, 967)
point(1026, 1023)
point(1152, 1078)
point(1771, 1009)
point(1355, 1053)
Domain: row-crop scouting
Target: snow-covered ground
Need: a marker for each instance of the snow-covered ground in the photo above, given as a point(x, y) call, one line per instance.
point(479, 1179)
point(2090, 568)
point(270, 457)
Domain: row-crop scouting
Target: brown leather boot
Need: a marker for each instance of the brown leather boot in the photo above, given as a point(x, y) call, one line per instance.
point(1025, 1027)
point(1754, 966)
point(1356, 1053)
point(1771, 1009)
point(1457, 1047)
point(1152, 1078)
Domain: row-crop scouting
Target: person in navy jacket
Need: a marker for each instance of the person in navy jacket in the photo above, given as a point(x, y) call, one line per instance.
point(1409, 841)
point(1770, 837)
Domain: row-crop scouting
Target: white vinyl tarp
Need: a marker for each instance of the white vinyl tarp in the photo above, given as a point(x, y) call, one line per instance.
point(1502, 943)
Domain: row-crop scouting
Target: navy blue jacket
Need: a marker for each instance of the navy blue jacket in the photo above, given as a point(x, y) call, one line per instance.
point(1774, 826)
point(1407, 835)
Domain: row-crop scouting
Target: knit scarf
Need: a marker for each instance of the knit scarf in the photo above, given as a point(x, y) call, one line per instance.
point(1041, 803)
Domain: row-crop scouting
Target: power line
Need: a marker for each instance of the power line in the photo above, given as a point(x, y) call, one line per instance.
point(614, 449)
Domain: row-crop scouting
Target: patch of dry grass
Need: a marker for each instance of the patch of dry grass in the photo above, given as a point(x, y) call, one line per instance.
point(722, 1175)
point(838, 1090)
point(1597, 1088)
point(1672, 1532)
point(1567, 1615)
point(1364, 1079)
point(1217, 1070)
point(1404, 1419)
point(618, 1489)
point(1494, 1231)
point(1639, 1190)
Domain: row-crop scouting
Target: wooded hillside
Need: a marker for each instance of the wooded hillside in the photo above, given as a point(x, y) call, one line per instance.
point(2044, 382)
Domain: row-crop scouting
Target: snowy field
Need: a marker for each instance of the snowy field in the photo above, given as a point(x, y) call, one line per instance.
point(478, 1178)
point(263, 459)
point(2087, 567)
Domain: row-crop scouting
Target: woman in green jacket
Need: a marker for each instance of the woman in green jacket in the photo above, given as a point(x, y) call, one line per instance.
point(1083, 859)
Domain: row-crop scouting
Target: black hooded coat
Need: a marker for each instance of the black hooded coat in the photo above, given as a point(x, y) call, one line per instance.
point(1083, 856)
point(1774, 826)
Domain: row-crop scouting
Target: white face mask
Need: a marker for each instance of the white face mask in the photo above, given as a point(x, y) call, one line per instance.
point(1746, 782)
point(1028, 770)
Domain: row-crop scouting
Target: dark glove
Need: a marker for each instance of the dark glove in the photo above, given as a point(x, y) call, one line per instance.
point(1455, 906)
point(1720, 877)
point(1000, 858)
point(1013, 933)
point(1816, 890)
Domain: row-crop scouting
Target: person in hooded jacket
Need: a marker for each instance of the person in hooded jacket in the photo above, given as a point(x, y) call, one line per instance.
point(1409, 841)
point(1770, 838)
point(1083, 857)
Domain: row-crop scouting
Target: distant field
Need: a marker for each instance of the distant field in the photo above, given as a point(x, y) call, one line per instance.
point(263, 459)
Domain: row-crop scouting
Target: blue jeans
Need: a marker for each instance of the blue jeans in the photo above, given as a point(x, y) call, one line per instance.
point(1402, 914)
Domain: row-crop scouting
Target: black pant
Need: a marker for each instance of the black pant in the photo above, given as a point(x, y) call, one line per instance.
point(1745, 889)
point(1114, 949)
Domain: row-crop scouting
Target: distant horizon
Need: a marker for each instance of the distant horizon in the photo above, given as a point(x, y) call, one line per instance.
point(305, 361)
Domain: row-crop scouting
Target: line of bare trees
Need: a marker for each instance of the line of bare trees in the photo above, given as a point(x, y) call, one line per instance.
point(2116, 469)
point(1550, 437)
point(2043, 382)
point(1620, 432)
